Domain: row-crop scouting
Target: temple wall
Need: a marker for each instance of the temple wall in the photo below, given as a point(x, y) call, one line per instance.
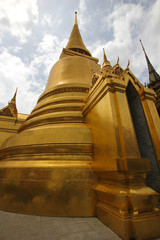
point(122, 193)
point(107, 115)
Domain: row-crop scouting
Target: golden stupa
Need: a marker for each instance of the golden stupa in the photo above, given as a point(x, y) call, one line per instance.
point(79, 153)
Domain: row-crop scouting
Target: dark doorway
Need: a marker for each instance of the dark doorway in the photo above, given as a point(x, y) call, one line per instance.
point(143, 136)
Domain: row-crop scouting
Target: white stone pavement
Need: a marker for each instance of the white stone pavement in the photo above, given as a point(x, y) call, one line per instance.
point(27, 227)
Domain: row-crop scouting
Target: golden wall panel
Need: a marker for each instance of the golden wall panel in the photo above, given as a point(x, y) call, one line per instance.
point(63, 189)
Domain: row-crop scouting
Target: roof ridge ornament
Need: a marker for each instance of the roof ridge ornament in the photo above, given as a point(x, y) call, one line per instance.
point(128, 64)
point(106, 63)
point(14, 97)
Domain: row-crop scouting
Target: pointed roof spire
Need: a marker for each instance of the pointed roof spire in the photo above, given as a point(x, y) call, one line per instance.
point(105, 60)
point(128, 64)
point(14, 97)
point(153, 75)
point(13, 100)
point(118, 60)
point(75, 42)
point(12, 104)
point(104, 56)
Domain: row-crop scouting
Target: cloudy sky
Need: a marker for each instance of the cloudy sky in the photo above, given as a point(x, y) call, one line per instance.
point(33, 33)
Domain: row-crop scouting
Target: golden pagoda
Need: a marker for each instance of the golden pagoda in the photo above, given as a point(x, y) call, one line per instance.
point(79, 153)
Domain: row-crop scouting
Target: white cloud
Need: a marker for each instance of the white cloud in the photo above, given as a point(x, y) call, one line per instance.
point(17, 17)
point(151, 34)
point(28, 68)
point(48, 52)
point(17, 49)
point(30, 78)
point(129, 23)
point(155, 18)
point(46, 20)
point(14, 73)
point(82, 5)
point(83, 16)
point(124, 20)
point(48, 44)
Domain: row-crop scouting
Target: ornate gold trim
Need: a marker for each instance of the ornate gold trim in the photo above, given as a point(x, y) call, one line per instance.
point(64, 90)
point(41, 149)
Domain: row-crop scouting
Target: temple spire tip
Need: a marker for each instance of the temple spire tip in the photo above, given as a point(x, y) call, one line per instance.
point(105, 60)
point(75, 19)
point(104, 56)
point(75, 42)
point(14, 97)
point(153, 75)
point(142, 46)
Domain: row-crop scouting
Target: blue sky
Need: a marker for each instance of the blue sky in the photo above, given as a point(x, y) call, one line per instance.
point(33, 33)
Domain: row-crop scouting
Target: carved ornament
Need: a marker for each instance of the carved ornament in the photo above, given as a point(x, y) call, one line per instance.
point(64, 90)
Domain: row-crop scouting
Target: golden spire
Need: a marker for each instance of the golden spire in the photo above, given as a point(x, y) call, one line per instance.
point(104, 56)
point(128, 64)
point(14, 97)
point(153, 75)
point(12, 105)
point(118, 60)
point(75, 42)
point(75, 19)
point(105, 60)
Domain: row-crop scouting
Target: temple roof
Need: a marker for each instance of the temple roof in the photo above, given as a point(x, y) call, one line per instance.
point(153, 75)
point(75, 42)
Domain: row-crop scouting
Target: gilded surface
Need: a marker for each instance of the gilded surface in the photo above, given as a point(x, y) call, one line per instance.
point(82, 68)
point(52, 189)
point(125, 203)
point(10, 110)
point(46, 165)
point(77, 153)
point(75, 41)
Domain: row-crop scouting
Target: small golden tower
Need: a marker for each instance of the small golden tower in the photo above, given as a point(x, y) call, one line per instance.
point(10, 110)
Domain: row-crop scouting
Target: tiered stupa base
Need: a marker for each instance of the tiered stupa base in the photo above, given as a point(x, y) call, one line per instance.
point(46, 166)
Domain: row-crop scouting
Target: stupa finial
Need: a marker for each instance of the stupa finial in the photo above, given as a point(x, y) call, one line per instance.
point(75, 42)
point(75, 18)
